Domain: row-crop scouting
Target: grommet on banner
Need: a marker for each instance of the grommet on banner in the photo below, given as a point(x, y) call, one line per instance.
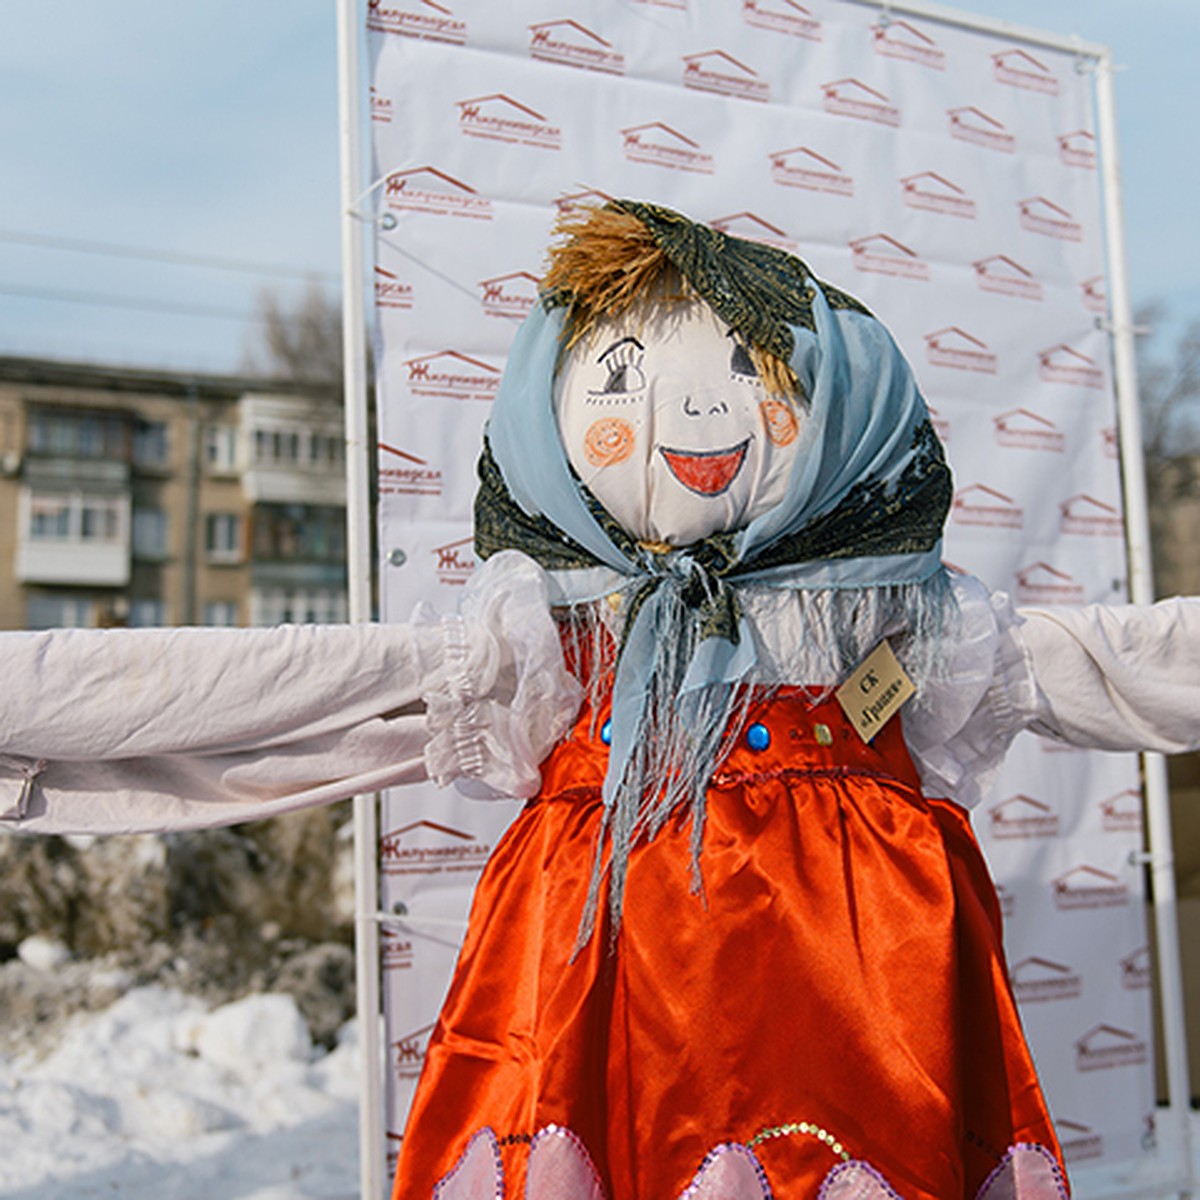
point(396, 557)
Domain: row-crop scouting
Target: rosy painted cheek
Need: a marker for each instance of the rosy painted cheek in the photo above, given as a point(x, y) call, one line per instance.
point(608, 441)
point(782, 426)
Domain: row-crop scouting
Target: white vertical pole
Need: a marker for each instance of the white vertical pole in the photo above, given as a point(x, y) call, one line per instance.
point(1161, 857)
point(358, 562)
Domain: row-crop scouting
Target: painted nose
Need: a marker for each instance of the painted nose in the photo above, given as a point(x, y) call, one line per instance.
point(707, 408)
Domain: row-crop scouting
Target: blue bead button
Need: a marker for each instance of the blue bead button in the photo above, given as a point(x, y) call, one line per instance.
point(758, 737)
point(606, 732)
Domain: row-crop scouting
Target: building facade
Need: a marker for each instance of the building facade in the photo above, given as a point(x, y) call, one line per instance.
point(133, 497)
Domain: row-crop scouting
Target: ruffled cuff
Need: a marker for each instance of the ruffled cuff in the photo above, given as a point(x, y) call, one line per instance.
point(959, 730)
point(501, 696)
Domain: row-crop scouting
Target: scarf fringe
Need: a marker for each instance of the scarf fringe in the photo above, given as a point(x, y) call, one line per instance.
point(683, 737)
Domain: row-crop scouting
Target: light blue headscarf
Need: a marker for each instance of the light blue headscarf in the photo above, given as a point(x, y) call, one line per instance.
point(859, 527)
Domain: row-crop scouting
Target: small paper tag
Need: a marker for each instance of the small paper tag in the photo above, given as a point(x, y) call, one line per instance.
point(875, 692)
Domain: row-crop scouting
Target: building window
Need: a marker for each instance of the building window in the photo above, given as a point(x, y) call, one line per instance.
point(298, 606)
point(221, 612)
point(293, 448)
point(223, 537)
point(58, 612)
point(57, 516)
point(220, 449)
point(146, 613)
point(78, 435)
point(299, 533)
point(149, 533)
point(150, 448)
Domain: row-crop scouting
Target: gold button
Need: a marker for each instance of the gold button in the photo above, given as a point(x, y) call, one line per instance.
point(823, 734)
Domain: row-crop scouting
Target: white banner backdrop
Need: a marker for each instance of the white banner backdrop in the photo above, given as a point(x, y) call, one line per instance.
point(945, 176)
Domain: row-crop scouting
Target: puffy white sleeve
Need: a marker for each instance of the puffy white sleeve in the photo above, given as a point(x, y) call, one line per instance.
point(1123, 677)
point(114, 731)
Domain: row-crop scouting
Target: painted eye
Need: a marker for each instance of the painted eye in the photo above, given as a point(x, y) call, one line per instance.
point(740, 361)
point(623, 362)
point(623, 377)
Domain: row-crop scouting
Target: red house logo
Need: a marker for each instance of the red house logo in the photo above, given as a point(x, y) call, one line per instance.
point(661, 146)
point(1078, 149)
point(971, 124)
point(982, 505)
point(884, 255)
point(1022, 429)
point(1088, 887)
point(1079, 1142)
point(382, 108)
point(427, 848)
point(572, 44)
point(852, 98)
point(1104, 1047)
point(782, 16)
point(1040, 979)
point(1122, 813)
point(1062, 364)
point(903, 40)
point(1087, 515)
point(575, 204)
point(500, 118)
point(681, 5)
point(1095, 294)
point(1006, 277)
point(428, 190)
point(1043, 216)
point(427, 20)
point(1040, 583)
point(753, 228)
point(1018, 68)
point(959, 350)
point(404, 474)
point(1136, 971)
point(455, 561)
point(720, 73)
point(391, 291)
point(932, 192)
point(396, 949)
point(407, 1054)
point(803, 167)
point(511, 296)
point(450, 375)
point(1022, 816)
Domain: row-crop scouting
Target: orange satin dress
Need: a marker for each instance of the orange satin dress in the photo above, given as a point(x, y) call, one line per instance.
point(836, 994)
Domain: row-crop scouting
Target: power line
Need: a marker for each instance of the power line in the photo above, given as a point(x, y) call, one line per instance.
point(110, 300)
point(206, 261)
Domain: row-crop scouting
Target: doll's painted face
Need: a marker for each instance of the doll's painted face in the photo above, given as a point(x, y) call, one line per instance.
point(664, 418)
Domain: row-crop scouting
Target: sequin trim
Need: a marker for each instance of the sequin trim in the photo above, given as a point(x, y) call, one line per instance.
point(447, 1188)
point(805, 1129)
point(845, 1179)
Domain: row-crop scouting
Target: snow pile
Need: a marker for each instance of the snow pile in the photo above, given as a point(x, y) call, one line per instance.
point(157, 1098)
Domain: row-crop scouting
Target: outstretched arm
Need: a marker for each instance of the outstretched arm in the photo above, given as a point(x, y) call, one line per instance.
point(1123, 677)
point(118, 730)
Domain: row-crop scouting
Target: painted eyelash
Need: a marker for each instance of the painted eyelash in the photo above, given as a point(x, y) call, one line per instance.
point(623, 361)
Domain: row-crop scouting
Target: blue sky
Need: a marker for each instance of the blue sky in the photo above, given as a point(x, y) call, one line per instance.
point(209, 130)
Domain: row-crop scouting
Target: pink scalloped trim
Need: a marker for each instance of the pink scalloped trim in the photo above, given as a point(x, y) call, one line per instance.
point(730, 1171)
point(478, 1174)
point(561, 1167)
point(1027, 1172)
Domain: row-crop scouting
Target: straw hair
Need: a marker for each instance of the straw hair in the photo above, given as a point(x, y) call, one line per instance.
point(608, 262)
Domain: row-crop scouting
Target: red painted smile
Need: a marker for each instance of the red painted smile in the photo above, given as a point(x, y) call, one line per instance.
point(709, 472)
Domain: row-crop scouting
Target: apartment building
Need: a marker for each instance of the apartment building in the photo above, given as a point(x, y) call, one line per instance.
point(135, 497)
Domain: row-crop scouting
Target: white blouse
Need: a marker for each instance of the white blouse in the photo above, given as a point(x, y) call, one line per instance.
point(117, 731)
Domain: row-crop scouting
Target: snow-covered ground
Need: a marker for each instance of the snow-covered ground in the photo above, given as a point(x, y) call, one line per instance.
point(157, 1098)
